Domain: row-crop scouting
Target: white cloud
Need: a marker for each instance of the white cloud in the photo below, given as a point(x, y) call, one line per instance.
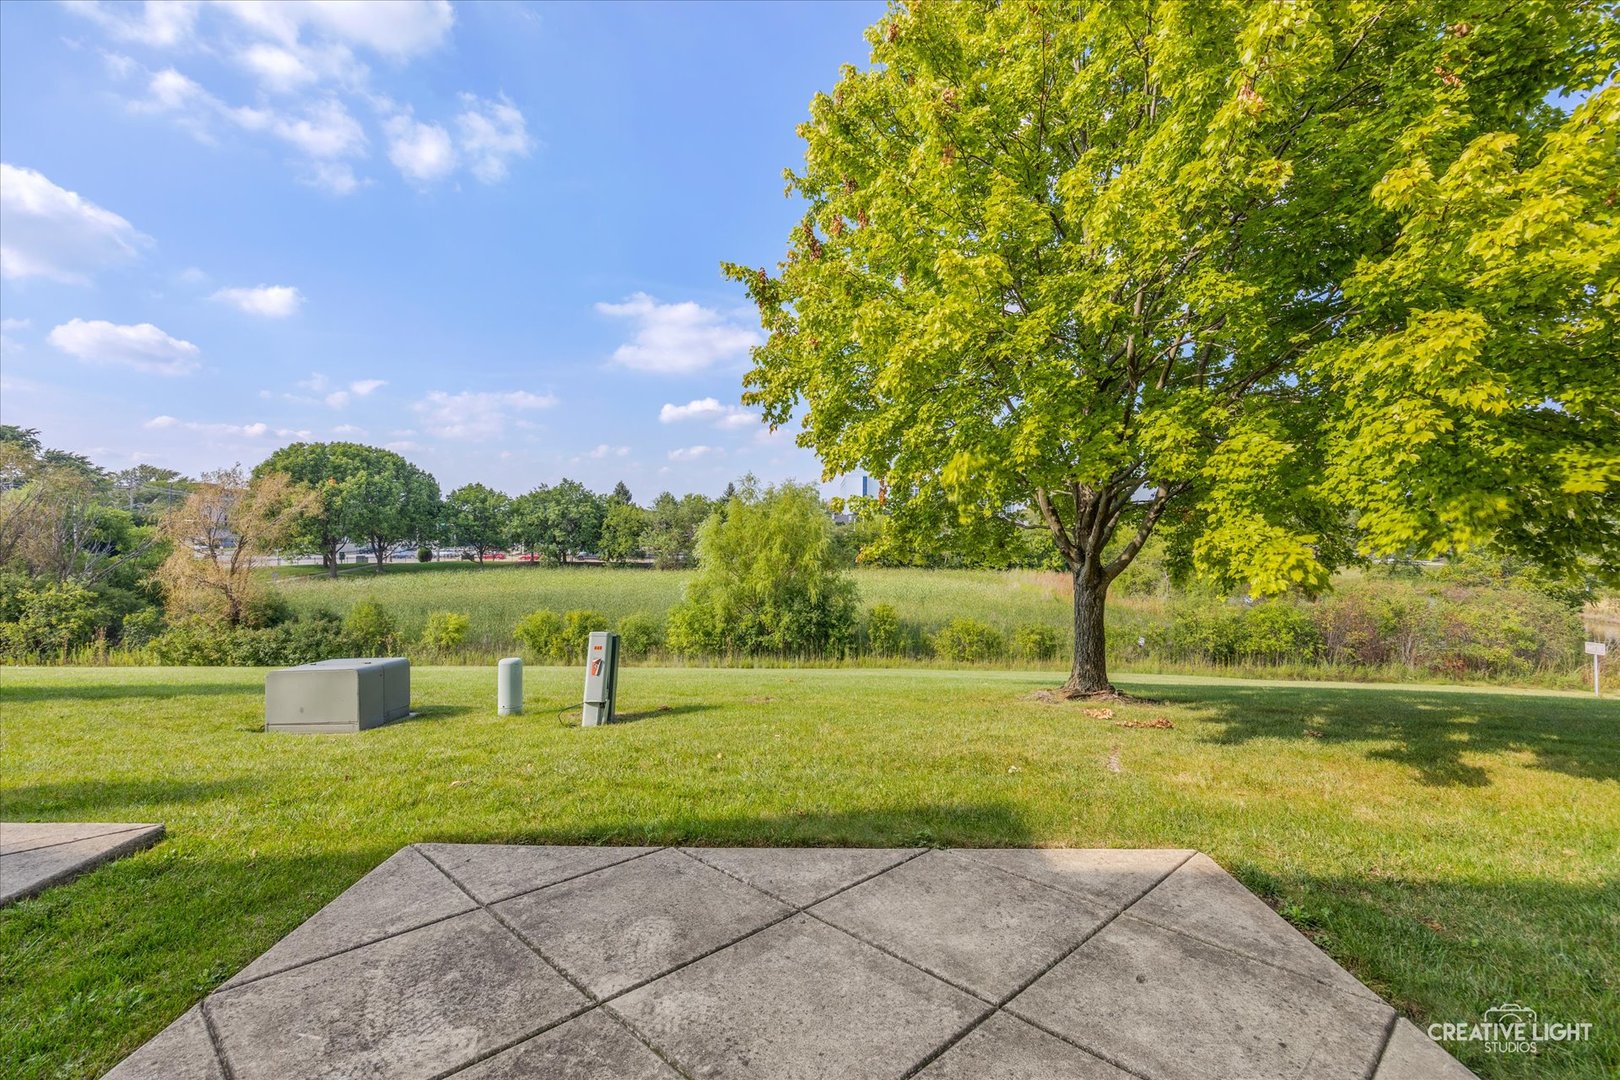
point(50, 232)
point(15, 324)
point(325, 131)
point(270, 301)
point(336, 397)
point(702, 408)
point(142, 347)
point(160, 23)
point(492, 133)
point(398, 29)
point(606, 451)
point(676, 339)
point(422, 152)
point(257, 430)
point(334, 176)
point(277, 69)
point(350, 430)
point(303, 56)
point(693, 453)
point(476, 416)
point(708, 409)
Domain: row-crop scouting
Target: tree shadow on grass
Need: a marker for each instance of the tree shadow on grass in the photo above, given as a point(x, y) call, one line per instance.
point(105, 800)
point(976, 824)
point(1428, 731)
point(120, 691)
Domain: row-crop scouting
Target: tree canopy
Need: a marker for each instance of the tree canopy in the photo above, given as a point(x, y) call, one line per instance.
point(1296, 282)
point(361, 492)
point(476, 517)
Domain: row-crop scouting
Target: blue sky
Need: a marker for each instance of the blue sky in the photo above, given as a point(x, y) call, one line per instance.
point(486, 235)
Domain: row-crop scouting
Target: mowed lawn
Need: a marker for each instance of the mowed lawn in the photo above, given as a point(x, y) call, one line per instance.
point(1455, 849)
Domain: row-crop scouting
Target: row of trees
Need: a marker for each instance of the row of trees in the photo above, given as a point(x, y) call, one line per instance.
point(363, 492)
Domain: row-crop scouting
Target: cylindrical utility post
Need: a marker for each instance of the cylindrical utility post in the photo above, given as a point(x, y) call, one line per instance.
point(509, 687)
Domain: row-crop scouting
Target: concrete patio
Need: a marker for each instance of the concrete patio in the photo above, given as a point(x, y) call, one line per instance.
point(489, 962)
point(36, 855)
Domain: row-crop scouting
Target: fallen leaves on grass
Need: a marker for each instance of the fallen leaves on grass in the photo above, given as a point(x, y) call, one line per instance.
point(1313, 733)
point(1155, 722)
point(1100, 714)
point(1113, 760)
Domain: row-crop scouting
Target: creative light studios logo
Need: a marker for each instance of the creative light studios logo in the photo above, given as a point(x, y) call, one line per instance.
point(1511, 1028)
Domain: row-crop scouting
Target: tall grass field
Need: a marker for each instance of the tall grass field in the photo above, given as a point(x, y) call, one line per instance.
point(1370, 626)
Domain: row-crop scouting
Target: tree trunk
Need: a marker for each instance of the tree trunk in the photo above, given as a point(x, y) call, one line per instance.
point(1088, 676)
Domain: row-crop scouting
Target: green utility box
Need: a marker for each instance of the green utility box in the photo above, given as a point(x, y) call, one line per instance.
point(335, 696)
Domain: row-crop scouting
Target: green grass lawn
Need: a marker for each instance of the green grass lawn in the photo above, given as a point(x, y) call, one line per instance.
point(1455, 849)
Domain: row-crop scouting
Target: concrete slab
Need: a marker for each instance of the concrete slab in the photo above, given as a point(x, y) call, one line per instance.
point(1006, 1048)
point(414, 1005)
point(495, 872)
point(18, 836)
point(799, 1001)
point(1204, 901)
point(973, 925)
point(1169, 1006)
point(595, 1046)
point(50, 853)
point(404, 892)
point(621, 926)
point(1110, 879)
point(649, 963)
point(801, 876)
point(181, 1051)
point(1412, 1055)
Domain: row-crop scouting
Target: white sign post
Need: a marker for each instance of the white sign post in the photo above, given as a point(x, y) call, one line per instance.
point(1597, 650)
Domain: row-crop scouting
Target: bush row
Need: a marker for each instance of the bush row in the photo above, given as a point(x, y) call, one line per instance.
point(1455, 631)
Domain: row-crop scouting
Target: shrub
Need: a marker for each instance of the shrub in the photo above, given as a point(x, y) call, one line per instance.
point(576, 632)
point(424, 554)
point(140, 627)
point(266, 607)
point(970, 641)
point(640, 635)
point(1034, 641)
point(1278, 631)
point(371, 629)
point(51, 619)
point(769, 579)
point(192, 641)
point(445, 630)
point(885, 634)
point(540, 632)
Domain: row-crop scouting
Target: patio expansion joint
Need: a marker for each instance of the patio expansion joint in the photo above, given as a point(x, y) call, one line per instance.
point(214, 1040)
point(1190, 936)
point(77, 839)
point(693, 854)
point(1389, 1037)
